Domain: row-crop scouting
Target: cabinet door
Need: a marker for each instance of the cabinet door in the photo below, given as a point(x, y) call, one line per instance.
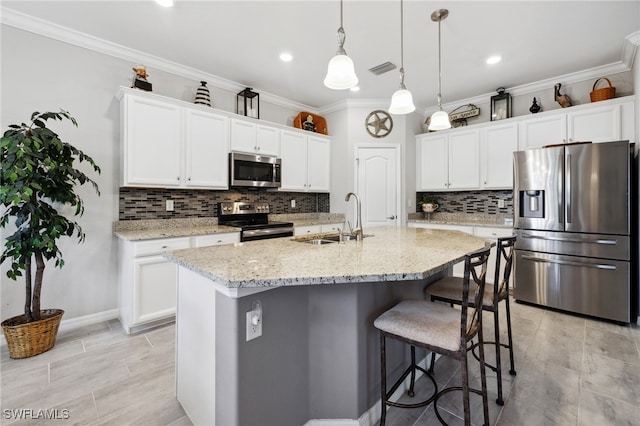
point(464, 160)
point(537, 132)
point(243, 136)
point(152, 143)
point(597, 124)
point(431, 163)
point(154, 288)
point(318, 164)
point(293, 151)
point(207, 148)
point(498, 145)
point(268, 140)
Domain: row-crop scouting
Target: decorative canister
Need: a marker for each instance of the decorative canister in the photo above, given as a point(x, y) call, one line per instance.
point(202, 95)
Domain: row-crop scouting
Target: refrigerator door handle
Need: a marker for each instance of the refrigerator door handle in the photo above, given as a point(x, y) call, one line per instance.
point(571, 240)
point(560, 193)
point(570, 263)
point(568, 186)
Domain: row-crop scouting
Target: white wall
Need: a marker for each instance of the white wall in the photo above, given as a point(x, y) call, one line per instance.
point(42, 74)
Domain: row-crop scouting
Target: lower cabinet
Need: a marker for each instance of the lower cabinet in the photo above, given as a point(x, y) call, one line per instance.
point(317, 229)
point(487, 232)
point(147, 281)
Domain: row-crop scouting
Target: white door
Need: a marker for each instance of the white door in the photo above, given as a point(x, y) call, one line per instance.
point(378, 185)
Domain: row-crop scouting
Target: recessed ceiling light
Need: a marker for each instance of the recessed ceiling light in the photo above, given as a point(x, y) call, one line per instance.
point(493, 59)
point(286, 57)
point(355, 89)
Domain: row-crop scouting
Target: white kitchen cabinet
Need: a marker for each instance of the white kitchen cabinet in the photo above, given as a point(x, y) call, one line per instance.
point(597, 122)
point(147, 281)
point(307, 230)
point(448, 161)
point(332, 227)
point(169, 146)
point(152, 142)
point(305, 162)
point(207, 149)
point(250, 137)
point(216, 239)
point(498, 143)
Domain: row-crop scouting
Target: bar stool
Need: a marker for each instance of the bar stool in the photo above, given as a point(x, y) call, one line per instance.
point(440, 329)
point(450, 290)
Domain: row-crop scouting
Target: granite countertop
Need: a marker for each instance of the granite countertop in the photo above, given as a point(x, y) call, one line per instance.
point(463, 219)
point(139, 230)
point(389, 254)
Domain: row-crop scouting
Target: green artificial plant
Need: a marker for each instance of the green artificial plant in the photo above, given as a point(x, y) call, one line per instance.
point(38, 176)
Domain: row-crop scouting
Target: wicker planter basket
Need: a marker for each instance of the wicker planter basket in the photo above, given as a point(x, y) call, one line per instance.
point(603, 93)
point(29, 339)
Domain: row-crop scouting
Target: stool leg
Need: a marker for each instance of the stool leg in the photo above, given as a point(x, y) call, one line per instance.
point(465, 390)
point(411, 392)
point(483, 378)
point(383, 380)
point(513, 367)
point(496, 326)
point(433, 361)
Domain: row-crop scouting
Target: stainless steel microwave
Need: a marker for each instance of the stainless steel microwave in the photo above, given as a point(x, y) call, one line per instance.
point(253, 170)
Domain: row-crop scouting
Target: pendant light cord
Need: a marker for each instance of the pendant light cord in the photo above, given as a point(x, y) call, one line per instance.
point(439, 66)
point(402, 86)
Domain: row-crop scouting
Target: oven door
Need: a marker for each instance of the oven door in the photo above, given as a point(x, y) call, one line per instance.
point(254, 170)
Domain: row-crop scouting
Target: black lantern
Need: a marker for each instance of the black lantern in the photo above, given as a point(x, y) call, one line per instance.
point(248, 103)
point(500, 105)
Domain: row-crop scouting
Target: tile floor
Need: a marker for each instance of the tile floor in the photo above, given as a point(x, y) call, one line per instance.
point(571, 371)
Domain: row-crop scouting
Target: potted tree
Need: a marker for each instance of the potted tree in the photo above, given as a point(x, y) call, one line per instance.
point(38, 177)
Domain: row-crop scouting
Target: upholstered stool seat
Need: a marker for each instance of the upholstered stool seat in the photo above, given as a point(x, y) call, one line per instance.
point(449, 290)
point(439, 329)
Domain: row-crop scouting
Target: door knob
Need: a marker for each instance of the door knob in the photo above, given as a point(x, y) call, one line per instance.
point(391, 217)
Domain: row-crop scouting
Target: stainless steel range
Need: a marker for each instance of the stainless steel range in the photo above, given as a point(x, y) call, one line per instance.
point(253, 220)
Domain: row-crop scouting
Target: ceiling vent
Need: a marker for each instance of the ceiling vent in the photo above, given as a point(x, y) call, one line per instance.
point(382, 68)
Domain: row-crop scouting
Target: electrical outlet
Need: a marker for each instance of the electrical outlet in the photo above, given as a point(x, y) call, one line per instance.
point(293, 204)
point(254, 325)
point(501, 204)
point(169, 205)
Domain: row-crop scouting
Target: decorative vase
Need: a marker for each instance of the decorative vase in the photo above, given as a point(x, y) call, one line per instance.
point(27, 339)
point(202, 95)
point(534, 107)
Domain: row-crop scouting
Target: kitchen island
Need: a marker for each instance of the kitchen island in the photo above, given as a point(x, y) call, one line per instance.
point(318, 356)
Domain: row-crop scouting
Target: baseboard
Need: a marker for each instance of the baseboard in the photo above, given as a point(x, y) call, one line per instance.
point(78, 322)
point(372, 415)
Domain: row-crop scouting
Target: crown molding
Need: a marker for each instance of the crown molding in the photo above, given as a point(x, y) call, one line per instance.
point(48, 29)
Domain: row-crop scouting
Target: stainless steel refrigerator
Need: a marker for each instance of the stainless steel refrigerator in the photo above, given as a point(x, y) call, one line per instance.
point(572, 214)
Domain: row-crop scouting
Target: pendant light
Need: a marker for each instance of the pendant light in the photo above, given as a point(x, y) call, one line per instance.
point(341, 74)
point(402, 101)
point(439, 119)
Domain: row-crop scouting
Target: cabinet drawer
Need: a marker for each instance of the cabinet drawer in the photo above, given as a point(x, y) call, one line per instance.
point(307, 230)
point(493, 233)
point(332, 227)
point(146, 248)
point(216, 239)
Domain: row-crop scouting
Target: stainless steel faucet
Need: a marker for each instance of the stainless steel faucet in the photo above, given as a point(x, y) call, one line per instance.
point(357, 231)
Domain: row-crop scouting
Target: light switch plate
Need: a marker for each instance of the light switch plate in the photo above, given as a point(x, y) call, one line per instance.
point(169, 205)
point(501, 204)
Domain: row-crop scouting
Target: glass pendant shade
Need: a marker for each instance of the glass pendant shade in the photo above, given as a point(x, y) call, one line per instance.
point(341, 73)
point(402, 102)
point(440, 121)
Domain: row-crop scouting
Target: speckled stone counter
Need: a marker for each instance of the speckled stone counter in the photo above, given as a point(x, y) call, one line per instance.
point(138, 230)
point(492, 220)
point(390, 254)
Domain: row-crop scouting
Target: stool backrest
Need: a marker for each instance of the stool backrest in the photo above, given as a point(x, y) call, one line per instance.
point(475, 271)
point(504, 252)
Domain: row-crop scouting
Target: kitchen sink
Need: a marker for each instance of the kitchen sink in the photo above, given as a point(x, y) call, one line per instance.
point(331, 239)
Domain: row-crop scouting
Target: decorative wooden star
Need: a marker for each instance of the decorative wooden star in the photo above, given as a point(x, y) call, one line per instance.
point(379, 123)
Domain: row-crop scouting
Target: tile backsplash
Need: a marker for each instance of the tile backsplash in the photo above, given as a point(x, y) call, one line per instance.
point(150, 203)
point(470, 202)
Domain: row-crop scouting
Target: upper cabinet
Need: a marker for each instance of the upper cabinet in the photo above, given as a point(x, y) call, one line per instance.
point(166, 145)
point(598, 122)
point(497, 144)
point(305, 162)
point(448, 161)
point(254, 138)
